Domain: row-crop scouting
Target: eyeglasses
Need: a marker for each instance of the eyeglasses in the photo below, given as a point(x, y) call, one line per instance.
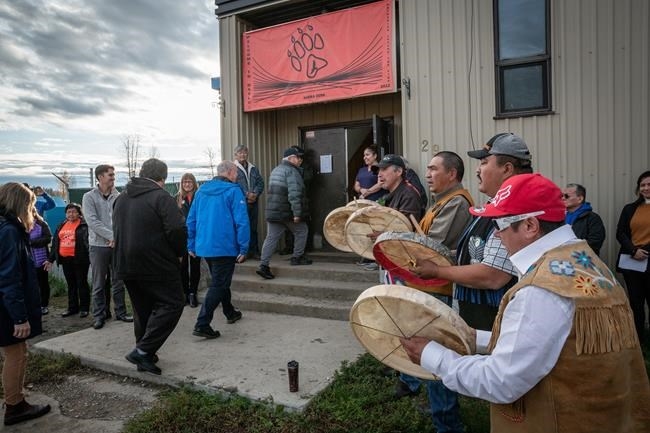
point(505, 222)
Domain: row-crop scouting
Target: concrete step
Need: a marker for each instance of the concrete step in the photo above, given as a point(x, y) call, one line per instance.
point(292, 305)
point(307, 288)
point(323, 271)
point(325, 289)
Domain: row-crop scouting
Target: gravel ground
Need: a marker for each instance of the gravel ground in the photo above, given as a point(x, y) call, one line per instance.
point(90, 400)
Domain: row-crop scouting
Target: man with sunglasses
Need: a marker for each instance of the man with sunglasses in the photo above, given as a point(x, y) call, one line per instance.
point(484, 273)
point(563, 355)
point(586, 223)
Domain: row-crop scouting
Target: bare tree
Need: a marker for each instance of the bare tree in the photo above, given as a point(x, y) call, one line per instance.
point(64, 181)
point(212, 156)
point(131, 148)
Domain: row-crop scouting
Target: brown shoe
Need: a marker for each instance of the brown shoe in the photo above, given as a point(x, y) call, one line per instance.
point(23, 411)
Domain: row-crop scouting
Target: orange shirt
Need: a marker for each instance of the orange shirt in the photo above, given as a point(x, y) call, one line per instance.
point(640, 225)
point(67, 238)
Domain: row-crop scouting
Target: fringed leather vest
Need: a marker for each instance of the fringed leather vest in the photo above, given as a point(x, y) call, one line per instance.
point(599, 383)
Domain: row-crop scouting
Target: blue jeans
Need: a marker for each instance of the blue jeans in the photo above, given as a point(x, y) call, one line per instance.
point(445, 410)
point(221, 270)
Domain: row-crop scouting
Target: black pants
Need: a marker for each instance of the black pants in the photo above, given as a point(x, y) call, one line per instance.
point(190, 274)
point(638, 291)
point(478, 316)
point(76, 277)
point(157, 308)
point(42, 276)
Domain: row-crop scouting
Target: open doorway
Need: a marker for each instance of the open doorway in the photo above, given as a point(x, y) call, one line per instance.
point(333, 155)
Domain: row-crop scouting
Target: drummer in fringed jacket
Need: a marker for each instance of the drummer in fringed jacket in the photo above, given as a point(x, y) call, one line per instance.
point(444, 222)
point(563, 355)
point(485, 272)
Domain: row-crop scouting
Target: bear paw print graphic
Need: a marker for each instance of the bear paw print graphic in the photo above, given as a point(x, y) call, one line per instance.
point(301, 53)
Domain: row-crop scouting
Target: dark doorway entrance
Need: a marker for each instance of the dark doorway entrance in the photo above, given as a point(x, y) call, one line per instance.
point(333, 155)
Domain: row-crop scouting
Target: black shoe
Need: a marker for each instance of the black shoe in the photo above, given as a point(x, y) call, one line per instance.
point(99, 324)
point(83, 314)
point(154, 358)
point(45, 311)
point(144, 362)
point(23, 411)
point(237, 315)
point(193, 301)
point(402, 390)
point(265, 272)
point(124, 318)
point(206, 332)
point(302, 260)
point(68, 313)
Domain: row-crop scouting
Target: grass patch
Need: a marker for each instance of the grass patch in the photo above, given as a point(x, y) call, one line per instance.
point(43, 368)
point(359, 400)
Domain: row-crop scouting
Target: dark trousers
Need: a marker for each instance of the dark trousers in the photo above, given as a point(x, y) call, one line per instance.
point(253, 246)
point(42, 276)
point(478, 316)
point(190, 274)
point(221, 270)
point(157, 308)
point(76, 277)
point(638, 291)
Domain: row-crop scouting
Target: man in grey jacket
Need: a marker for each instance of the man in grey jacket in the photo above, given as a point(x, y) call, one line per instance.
point(286, 208)
point(98, 212)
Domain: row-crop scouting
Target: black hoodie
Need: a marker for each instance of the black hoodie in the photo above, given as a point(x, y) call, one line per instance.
point(149, 231)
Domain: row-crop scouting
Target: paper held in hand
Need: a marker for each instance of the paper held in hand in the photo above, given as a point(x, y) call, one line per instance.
point(627, 262)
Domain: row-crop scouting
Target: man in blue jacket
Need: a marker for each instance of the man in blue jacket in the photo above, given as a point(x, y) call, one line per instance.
point(218, 230)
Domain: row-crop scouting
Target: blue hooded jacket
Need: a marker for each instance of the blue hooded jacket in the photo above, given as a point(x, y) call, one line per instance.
point(217, 225)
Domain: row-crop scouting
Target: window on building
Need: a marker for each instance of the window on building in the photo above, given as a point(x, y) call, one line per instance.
point(522, 57)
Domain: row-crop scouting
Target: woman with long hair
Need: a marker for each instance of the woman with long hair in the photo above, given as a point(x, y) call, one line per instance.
point(633, 233)
point(70, 250)
point(190, 266)
point(20, 303)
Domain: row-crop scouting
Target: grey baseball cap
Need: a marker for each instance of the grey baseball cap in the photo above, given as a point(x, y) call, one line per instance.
point(505, 143)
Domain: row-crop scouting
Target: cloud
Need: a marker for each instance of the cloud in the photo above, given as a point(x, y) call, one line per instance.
point(90, 51)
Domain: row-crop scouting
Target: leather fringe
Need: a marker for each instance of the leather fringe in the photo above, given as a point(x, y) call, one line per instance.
point(604, 329)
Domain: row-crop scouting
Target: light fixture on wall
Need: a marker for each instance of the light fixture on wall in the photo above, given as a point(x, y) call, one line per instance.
point(406, 83)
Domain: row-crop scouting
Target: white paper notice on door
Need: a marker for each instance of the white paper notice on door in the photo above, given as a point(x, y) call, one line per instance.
point(325, 164)
point(627, 262)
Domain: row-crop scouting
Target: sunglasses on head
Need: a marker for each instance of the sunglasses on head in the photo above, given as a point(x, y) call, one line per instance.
point(505, 222)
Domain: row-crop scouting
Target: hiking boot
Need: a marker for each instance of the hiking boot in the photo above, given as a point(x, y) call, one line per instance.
point(237, 315)
point(265, 272)
point(302, 260)
point(23, 411)
point(206, 332)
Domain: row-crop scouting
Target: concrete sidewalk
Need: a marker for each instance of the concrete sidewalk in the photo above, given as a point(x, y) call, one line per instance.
point(250, 358)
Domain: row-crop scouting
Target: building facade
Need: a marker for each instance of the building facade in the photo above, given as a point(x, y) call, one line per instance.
point(571, 77)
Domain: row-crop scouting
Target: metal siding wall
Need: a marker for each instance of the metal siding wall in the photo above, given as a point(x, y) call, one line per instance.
point(599, 135)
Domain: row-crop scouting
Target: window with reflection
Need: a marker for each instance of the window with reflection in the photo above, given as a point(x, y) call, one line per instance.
point(522, 57)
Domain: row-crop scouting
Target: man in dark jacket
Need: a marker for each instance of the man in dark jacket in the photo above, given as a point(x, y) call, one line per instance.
point(286, 207)
point(586, 223)
point(252, 185)
point(150, 239)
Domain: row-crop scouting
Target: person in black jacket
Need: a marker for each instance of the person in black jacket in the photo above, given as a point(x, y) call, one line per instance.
point(190, 266)
point(633, 233)
point(150, 240)
point(586, 223)
point(70, 250)
point(20, 304)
